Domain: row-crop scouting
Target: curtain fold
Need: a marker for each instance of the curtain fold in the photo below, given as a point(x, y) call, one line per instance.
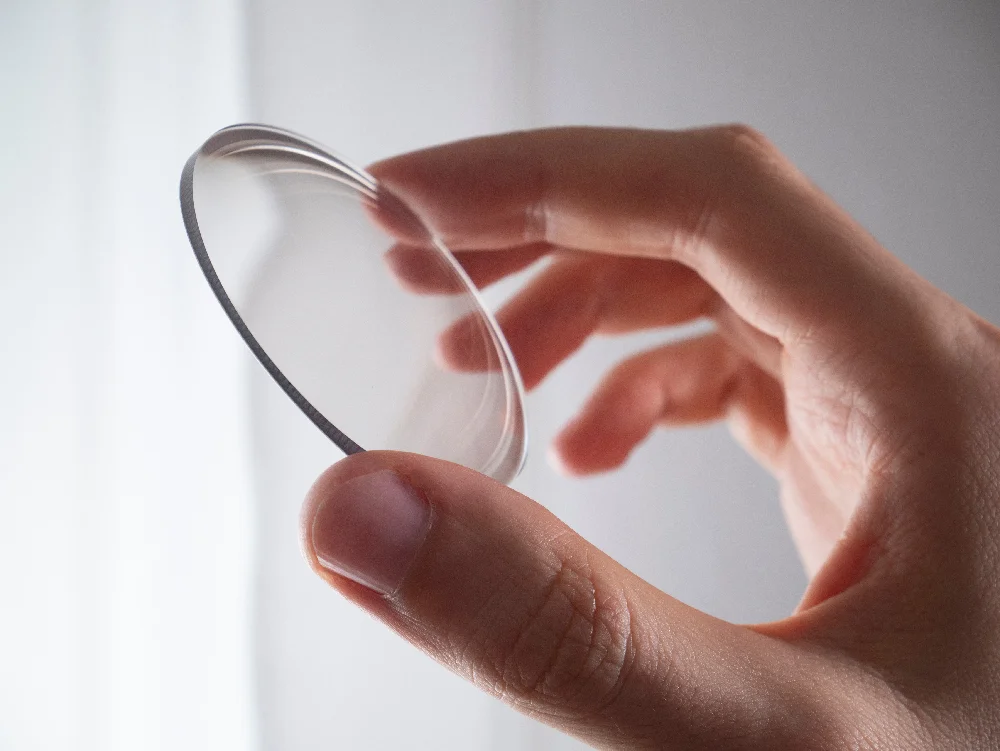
point(125, 513)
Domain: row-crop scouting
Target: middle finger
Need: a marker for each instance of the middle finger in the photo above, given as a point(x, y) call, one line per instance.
point(578, 295)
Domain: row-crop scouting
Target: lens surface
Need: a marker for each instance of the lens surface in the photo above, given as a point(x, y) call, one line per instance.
point(358, 312)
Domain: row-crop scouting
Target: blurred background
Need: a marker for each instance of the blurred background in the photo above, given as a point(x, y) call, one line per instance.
point(151, 587)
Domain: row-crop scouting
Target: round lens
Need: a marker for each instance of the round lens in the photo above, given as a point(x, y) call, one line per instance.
point(364, 319)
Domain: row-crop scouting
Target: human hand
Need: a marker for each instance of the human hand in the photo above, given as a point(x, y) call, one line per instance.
point(873, 397)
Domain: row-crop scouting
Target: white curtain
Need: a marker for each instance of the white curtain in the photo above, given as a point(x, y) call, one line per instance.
point(124, 503)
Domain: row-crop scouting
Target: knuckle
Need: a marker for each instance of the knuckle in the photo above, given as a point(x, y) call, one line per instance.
point(743, 145)
point(745, 139)
point(573, 649)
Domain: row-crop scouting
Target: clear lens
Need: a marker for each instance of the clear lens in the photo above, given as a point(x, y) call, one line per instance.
point(364, 319)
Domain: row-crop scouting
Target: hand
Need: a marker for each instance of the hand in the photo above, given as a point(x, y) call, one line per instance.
point(873, 398)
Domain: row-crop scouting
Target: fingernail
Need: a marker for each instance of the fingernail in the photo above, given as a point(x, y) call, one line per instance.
point(369, 529)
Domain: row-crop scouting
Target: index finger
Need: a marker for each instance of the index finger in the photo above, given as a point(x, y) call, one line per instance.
point(721, 200)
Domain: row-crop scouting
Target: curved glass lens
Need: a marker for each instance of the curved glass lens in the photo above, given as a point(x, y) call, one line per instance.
point(358, 312)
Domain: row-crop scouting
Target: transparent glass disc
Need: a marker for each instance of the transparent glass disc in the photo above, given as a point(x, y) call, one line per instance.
point(364, 319)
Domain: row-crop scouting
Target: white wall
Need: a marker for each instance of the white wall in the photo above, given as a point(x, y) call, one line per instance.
point(124, 522)
point(891, 107)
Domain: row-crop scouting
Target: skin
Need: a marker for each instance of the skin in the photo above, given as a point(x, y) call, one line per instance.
point(873, 397)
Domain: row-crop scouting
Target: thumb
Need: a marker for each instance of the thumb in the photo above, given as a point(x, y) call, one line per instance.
point(497, 589)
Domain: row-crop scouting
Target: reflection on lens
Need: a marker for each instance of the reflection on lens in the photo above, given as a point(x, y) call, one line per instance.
point(361, 316)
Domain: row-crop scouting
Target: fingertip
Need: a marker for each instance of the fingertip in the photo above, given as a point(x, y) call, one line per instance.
point(578, 452)
point(392, 169)
point(465, 347)
point(422, 270)
point(348, 469)
point(560, 463)
point(365, 519)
